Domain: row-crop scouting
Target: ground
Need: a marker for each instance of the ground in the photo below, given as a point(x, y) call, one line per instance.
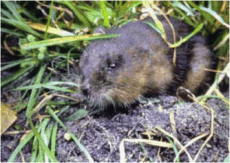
point(101, 134)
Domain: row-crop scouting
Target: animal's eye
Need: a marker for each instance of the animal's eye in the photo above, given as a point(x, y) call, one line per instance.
point(113, 66)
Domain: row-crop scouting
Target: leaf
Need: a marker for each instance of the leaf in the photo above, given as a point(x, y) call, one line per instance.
point(8, 117)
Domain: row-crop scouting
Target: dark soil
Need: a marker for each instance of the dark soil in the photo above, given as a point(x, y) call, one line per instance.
point(101, 135)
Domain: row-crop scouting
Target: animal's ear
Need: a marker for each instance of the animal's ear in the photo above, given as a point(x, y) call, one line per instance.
point(100, 30)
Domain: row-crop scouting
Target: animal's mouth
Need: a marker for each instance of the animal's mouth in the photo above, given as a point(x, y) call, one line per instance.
point(107, 96)
point(94, 98)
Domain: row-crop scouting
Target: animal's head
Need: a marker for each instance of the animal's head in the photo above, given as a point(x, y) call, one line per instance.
point(122, 69)
point(112, 73)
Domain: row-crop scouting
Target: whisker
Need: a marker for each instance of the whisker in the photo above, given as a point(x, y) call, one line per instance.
point(107, 97)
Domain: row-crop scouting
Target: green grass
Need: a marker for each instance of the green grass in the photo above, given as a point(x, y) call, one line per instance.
point(37, 49)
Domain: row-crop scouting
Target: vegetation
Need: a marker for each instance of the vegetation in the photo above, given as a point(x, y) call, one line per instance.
point(40, 37)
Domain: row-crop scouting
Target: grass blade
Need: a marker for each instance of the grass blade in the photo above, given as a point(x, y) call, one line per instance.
point(41, 141)
point(174, 148)
point(18, 34)
point(183, 7)
point(15, 63)
point(34, 91)
point(187, 37)
point(12, 7)
point(7, 14)
point(49, 20)
point(51, 30)
point(34, 151)
point(22, 71)
point(105, 13)
point(20, 25)
point(215, 15)
point(52, 113)
point(56, 41)
point(78, 13)
point(43, 149)
point(50, 86)
point(54, 138)
point(127, 7)
point(20, 146)
point(153, 25)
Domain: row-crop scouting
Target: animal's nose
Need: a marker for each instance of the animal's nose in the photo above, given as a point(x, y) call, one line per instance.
point(85, 89)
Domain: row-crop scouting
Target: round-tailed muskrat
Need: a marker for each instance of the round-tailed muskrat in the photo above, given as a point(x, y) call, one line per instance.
point(139, 63)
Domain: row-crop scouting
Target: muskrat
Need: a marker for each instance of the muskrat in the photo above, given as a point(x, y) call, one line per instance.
point(138, 63)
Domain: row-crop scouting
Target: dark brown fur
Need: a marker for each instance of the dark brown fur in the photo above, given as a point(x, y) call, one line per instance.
point(139, 62)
